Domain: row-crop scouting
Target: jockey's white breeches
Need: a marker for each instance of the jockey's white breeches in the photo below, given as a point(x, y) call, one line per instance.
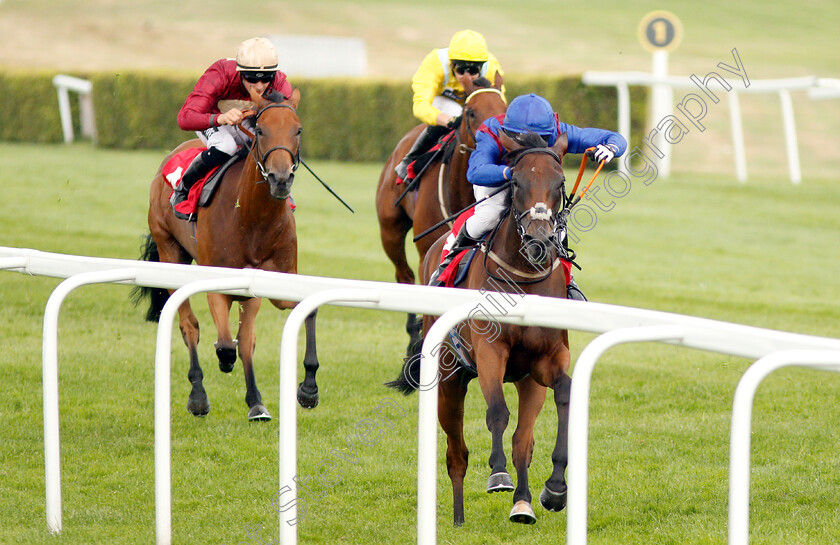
point(225, 138)
point(487, 212)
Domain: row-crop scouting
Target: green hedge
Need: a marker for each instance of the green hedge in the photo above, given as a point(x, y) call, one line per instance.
point(353, 120)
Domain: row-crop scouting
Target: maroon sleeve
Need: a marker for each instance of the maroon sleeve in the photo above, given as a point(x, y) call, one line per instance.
point(200, 107)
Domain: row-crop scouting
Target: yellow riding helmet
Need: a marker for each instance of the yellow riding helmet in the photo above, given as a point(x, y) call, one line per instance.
point(468, 45)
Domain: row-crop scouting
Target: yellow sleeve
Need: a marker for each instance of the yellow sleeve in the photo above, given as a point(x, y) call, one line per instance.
point(426, 84)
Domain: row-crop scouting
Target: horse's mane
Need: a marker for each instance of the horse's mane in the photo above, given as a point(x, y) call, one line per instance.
point(482, 82)
point(275, 96)
point(527, 140)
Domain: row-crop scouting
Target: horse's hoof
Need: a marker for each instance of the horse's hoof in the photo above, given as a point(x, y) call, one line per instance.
point(553, 501)
point(198, 407)
point(227, 357)
point(500, 482)
point(307, 400)
point(522, 513)
point(259, 413)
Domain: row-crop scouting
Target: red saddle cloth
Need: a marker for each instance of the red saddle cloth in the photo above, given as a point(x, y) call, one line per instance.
point(451, 272)
point(174, 169)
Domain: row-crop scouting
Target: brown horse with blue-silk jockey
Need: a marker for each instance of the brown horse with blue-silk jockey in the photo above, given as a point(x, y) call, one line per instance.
point(528, 258)
point(441, 189)
point(248, 224)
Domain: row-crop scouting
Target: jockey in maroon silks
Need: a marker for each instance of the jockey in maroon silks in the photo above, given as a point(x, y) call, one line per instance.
point(255, 67)
point(488, 169)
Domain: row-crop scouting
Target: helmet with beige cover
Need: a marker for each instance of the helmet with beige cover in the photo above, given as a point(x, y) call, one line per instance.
point(257, 57)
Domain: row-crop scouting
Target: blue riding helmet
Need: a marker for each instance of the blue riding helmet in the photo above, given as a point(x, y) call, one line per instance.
point(531, 113)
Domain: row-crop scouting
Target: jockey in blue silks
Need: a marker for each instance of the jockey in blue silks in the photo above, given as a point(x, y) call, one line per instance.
point(488, 169)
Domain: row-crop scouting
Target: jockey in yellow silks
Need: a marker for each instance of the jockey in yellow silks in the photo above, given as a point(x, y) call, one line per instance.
point(438, 87)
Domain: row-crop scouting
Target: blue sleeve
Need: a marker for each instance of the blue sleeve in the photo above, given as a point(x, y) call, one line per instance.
point(486, 166)
point(582, 139)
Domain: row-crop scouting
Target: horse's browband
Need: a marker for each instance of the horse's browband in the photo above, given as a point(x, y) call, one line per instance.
point(485, 90)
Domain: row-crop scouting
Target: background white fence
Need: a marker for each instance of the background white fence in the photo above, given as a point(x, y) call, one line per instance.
point(816, 87)
point(616, 324)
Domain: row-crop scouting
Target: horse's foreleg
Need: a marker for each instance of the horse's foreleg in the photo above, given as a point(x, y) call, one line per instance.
point(553, 496)
point(451, 416)
point(198, 404)
point(531, 400)
point(246, 342)
point(308, 389)
point(491, 359)
point(225, 348)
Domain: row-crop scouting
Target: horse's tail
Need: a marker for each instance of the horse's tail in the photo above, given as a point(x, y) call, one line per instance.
point(157, 296)
point(409, 379)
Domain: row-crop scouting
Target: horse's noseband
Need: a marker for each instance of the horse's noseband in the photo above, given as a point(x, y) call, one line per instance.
point(260, 162)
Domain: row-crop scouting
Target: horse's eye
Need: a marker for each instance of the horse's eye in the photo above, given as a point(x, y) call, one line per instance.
point(300, 131)
point(258, 131)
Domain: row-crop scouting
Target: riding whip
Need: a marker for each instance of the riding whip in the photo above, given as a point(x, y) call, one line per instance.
point(328, 188)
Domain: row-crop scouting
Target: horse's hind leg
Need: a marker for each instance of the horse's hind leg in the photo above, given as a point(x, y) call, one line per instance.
point(308, 389)
point(553, 496)
point(246, 340)
point(170, 251)
point(531, 400)
point(451, 416)
point(225, 348)
point(198, 403)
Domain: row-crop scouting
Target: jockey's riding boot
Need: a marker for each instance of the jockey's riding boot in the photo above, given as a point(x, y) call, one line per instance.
point(425, 140)
point(573, 291)
point(203, 163)
point(462, 241)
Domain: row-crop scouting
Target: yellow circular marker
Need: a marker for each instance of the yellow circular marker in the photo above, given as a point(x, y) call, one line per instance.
point(660, 31)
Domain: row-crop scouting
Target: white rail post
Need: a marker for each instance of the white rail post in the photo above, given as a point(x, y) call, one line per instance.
point(663, 100)
point(737, 136)
point(288, 399)
point(64, 84)
point(623, 118)
point(52, 449)
point(578, 472)
point(163, 394)
point(739, 439)
point(790, 137)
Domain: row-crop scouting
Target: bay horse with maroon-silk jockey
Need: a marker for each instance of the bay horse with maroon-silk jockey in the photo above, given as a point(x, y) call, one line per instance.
point(524, 255)
point(442, 190)
point(248, 224)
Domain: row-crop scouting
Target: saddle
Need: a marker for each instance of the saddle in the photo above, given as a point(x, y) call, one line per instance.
point(201, 193)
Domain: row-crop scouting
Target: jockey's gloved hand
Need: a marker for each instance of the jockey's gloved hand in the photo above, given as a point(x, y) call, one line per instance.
point(454, 123)
point(605, 153)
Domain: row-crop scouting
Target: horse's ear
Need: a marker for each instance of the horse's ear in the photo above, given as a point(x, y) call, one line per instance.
point(509, 143)
point(294, 99)
point(561, 145)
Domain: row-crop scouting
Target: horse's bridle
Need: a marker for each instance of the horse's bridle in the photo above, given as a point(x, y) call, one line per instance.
point(255, 149)
point(466, 118)
point(537, 212)
point(540, 211)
